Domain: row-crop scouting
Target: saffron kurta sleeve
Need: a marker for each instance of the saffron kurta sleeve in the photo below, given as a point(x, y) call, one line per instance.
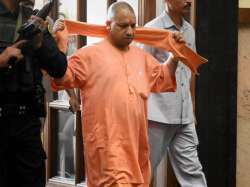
point(78, 70)
point(160, 79)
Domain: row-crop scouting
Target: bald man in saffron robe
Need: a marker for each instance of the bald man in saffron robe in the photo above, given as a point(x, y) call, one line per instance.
point(115, 80)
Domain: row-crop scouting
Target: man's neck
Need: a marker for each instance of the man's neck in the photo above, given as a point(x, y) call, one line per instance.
point(123, 49)
point(176, 18)
point(10, 5)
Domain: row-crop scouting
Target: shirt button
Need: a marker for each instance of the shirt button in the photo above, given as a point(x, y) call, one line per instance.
point(183, 100)
point(182, 84)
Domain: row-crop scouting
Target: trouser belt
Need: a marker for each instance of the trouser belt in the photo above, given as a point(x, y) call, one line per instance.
point(12, 110)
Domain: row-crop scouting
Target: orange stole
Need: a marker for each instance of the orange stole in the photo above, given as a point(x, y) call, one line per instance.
point(159, 38)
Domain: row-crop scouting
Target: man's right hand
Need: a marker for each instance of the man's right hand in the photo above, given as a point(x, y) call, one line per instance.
point(73, 100)
point(74, 104)
point(11, 52)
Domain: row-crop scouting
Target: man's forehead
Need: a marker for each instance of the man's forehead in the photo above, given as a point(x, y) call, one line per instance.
point(173, 1)
point(126, 21)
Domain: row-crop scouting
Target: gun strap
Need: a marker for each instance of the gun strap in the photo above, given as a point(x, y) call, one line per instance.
point(18, 23)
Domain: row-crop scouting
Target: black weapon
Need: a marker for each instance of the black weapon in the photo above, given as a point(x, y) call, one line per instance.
point(29, 29)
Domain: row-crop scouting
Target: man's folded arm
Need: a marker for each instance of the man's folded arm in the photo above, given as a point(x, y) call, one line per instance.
point(51, 58)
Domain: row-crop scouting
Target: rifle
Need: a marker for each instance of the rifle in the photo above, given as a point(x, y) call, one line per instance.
point(30, 29)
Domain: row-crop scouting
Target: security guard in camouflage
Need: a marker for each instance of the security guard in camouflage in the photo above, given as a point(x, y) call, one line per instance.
point(22, 97)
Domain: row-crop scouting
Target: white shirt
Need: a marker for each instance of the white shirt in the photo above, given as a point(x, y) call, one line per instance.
point(176, 107)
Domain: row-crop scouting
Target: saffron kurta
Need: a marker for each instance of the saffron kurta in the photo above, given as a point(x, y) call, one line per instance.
point(114, 89)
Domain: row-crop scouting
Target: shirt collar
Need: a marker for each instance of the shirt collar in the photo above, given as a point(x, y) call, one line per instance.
point(168, 23)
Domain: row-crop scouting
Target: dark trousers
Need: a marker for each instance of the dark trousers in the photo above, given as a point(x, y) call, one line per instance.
point(22, 158)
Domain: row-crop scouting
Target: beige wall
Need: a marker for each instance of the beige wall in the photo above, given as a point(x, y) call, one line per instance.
point(244, 3)
point(243, 144)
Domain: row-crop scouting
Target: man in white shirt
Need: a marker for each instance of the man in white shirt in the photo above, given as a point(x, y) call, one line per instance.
point(171, 117)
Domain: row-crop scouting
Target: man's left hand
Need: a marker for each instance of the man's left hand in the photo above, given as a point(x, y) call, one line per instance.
point(178, 36)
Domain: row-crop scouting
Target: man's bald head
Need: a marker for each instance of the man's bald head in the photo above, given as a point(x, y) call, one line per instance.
point(121, 24)
point(117, 7)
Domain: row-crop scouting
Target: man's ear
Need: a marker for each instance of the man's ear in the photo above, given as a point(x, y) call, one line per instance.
point(108, 25)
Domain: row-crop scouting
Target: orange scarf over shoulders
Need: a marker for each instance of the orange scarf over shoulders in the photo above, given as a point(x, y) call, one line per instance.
point(158, 38)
